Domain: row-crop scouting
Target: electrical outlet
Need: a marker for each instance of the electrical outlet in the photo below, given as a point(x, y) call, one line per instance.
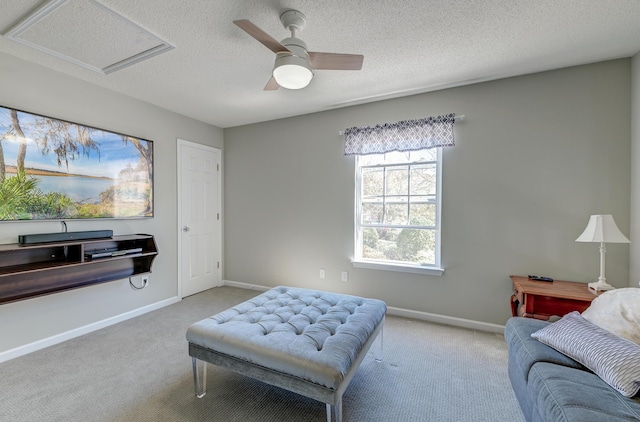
point(344, 276)
point(322, 273)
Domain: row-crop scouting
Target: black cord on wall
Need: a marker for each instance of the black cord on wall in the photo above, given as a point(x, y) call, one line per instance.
point(144, 284)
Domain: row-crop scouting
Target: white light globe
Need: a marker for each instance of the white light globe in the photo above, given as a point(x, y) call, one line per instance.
point(292, 72)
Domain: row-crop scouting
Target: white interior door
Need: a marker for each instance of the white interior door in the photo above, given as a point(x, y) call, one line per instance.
point(200, 237)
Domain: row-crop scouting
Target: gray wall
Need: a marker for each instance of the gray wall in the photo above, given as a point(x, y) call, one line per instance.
point(535, 156)
point(635, 172)
point(32, 88)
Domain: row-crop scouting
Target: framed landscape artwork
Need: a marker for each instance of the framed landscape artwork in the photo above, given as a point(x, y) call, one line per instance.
point(52, 169)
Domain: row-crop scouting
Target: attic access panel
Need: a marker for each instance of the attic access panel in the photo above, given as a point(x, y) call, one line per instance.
point(88, 34)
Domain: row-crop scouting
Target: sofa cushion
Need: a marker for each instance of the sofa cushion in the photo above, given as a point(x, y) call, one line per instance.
point(525, 351)
point(617, 311)
point(563, 394)
point(614, 359)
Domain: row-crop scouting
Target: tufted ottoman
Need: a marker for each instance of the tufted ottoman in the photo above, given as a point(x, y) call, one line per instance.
point(306, 341)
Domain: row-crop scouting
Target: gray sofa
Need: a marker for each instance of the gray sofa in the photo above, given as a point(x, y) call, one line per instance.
point(552, 387)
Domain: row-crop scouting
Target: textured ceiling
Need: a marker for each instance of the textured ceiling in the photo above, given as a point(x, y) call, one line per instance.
point(216, 71)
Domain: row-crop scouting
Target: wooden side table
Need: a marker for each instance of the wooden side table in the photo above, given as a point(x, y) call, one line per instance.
point(542, 299)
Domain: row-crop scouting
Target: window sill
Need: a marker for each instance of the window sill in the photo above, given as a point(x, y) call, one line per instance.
point(416, 269)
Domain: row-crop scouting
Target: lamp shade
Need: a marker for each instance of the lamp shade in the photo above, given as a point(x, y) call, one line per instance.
point(292, 72)
point(602, 228)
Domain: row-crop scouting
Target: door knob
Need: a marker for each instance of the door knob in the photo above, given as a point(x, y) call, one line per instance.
point(185, 229)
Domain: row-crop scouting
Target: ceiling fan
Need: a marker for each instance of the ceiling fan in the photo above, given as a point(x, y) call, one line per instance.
point(294, 65)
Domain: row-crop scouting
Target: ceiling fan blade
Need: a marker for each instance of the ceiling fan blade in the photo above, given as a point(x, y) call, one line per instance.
point(335, 61)
point(264, 38)
point(272, 85)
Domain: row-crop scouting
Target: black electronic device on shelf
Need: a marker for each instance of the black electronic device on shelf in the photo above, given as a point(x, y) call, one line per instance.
point(29, 239)
point(112, 252)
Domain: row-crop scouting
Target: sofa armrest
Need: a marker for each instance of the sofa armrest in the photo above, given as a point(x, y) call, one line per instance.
point(525, 351)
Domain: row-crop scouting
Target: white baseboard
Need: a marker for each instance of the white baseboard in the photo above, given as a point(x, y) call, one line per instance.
point(77, 332)
point(447, 320)
point(407, 313)
point(245, 285)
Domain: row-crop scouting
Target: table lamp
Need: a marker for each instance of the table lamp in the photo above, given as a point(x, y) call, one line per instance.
point(602, 228)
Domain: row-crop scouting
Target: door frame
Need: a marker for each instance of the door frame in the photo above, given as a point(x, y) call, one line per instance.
point(179, 143)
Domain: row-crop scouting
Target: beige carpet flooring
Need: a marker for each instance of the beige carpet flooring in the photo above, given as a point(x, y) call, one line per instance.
point(139, 370)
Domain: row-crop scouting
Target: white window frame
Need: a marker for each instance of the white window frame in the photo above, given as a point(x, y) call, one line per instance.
point(429, 269)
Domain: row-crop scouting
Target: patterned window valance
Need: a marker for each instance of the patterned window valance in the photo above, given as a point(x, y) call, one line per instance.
point(406, 135)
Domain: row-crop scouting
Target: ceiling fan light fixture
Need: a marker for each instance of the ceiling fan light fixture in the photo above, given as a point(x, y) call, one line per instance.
point(292, 72)
point(293, 66)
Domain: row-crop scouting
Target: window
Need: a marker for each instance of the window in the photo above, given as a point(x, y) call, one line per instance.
point(398, 180)
point(398, 211)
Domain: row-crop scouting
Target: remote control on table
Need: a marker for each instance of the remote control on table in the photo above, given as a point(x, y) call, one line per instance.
point(538, 278)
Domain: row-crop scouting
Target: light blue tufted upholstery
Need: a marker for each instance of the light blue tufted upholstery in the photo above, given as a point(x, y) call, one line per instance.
point(309, 334)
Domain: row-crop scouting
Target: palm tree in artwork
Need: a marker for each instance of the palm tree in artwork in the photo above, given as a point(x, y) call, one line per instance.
point(13, 131)
point(22, 150)
point(3, 168)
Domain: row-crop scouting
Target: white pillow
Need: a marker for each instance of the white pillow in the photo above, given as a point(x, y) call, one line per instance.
point(612, 358)
point(617, 311)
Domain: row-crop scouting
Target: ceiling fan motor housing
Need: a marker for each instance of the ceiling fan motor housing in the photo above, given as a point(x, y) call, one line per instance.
point(296, 46)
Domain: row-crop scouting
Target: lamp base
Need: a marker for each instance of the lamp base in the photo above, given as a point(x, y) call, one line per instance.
point(600, 285)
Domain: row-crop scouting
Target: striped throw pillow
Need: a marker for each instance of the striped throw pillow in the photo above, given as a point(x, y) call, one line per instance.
point(614, 359)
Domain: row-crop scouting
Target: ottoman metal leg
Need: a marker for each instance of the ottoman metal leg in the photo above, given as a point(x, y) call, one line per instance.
point(337, 410)
point(199, 381)
point(377, 353)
